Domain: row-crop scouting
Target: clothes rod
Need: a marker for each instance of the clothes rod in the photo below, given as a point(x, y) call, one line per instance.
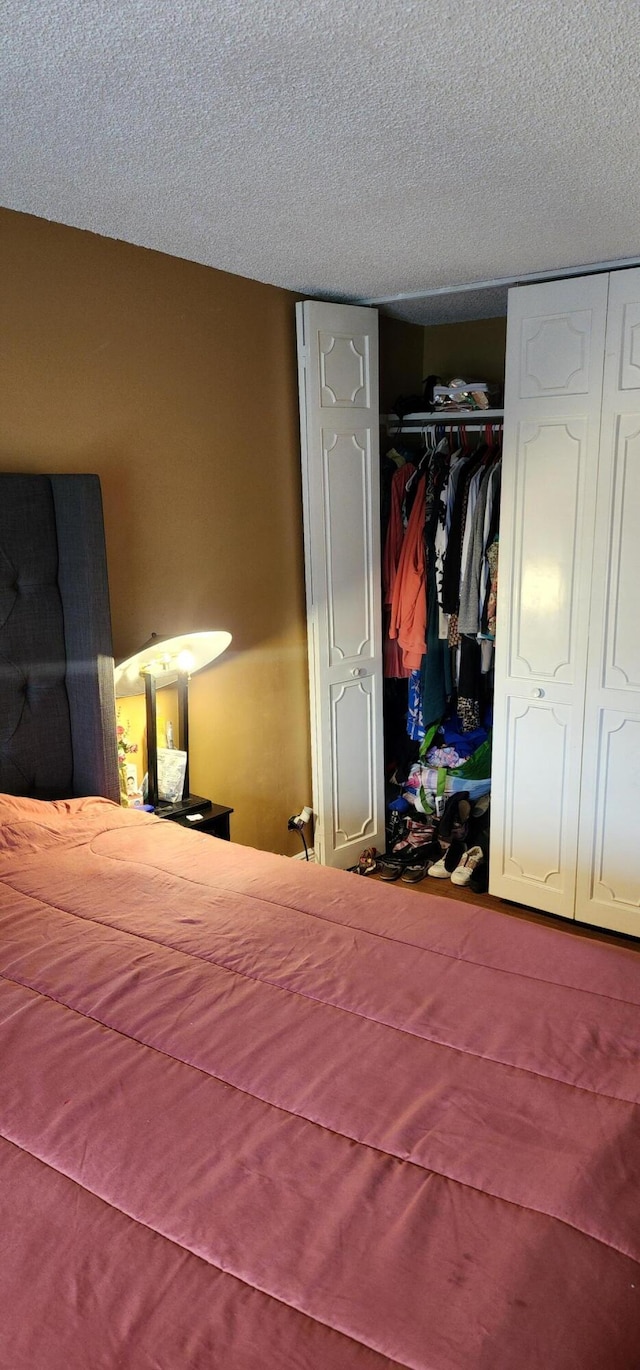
point(468, 417)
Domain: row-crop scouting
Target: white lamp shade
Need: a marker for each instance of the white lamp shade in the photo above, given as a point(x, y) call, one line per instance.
point(165, 657)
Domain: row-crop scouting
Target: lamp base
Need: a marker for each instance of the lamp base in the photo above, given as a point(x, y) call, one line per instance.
point(180, 809)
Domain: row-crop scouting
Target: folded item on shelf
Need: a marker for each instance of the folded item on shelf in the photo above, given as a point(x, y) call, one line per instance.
point(461, 394)
point(457, 387)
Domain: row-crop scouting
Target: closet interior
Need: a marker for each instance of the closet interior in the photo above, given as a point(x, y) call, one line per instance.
point(440, 476)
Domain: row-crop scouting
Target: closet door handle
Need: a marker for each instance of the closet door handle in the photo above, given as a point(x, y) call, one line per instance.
point(357, 670)
point(537, 693)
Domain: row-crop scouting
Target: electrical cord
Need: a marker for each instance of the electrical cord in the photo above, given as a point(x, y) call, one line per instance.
point(296, 822)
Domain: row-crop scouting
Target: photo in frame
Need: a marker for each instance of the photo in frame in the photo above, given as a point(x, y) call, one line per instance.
point(172, 768)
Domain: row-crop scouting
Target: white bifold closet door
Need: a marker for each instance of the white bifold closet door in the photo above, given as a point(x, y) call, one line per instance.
point(338, 377)
point(553, 394)
point(609, 853)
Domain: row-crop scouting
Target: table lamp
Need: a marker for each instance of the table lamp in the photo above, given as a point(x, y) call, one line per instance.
point(168, 661)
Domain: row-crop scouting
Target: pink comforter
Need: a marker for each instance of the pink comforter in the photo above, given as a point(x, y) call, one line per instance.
point(260, 1116)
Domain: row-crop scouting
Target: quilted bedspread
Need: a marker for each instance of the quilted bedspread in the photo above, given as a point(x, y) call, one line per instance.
point(256, 1115)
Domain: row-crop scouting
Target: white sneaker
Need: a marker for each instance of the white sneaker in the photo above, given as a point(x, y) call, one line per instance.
point(462, 873)
point(438, 870)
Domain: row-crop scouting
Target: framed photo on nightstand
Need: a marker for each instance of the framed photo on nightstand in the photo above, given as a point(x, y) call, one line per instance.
point(172, 768)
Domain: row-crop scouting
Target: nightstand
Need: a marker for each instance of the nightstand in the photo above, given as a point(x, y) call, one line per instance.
point(198, 814)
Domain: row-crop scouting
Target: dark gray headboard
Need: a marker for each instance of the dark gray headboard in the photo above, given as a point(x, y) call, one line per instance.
point(57, 705)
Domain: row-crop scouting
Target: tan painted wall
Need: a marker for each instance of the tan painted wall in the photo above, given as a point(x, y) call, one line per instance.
point(458, 349)
point(401, 360)
point(176, 384)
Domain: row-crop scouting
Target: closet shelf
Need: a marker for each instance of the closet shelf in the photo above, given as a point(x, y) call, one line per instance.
point(445, 416)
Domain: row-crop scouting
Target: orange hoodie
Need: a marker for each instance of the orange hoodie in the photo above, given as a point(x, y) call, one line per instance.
point(409, 597)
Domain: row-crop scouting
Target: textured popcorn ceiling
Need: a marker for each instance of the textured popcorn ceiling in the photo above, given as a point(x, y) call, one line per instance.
point(348, 148)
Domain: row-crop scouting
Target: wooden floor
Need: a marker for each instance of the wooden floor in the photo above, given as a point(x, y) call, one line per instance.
point(489, 901)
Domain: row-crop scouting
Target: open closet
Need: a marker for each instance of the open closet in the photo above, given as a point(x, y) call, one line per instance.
point(565, 782)
point(441, 499)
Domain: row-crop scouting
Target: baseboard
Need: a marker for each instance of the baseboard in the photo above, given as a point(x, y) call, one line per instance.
point(300, 856)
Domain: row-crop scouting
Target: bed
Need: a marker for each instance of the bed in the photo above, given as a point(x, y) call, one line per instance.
point(257, 1115)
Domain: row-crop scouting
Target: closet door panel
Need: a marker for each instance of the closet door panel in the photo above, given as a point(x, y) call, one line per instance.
point(555, 353)
point(353, 707)
point(533, 853)
point(347, 498)
point(613, 859)
point(630, 345)
point(338, 371)
point(622, 638)
point(555, 356)
point(552, 477)
point(609, 851)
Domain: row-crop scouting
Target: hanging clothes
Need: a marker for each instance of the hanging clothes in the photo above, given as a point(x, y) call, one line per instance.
point(439, 570)
point(408, 619)
point(437, 681)
point(492, 598)
point(469, 615)
point(475, 485)
point(469, 684)
point(453, 558)
point(415, 723)
point(445, 510)
point(394, 667)
point(491, 523)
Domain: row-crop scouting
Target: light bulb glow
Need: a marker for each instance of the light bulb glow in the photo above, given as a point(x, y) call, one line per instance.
point(185, 660)
point(164, 659)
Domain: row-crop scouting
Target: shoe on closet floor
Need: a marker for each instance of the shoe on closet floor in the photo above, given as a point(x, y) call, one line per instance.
point(463, 872)
point(412, 875)
point(390, 870)
point(438, 870)
point(418, 833)
point(479, 882)
point(368, 863)
point(449, 861)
